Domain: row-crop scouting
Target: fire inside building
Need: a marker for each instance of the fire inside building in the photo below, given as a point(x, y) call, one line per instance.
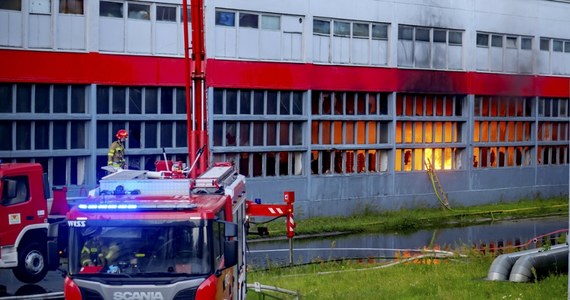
point(346, 103)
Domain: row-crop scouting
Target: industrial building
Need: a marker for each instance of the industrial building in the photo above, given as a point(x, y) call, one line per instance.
point(347, 103)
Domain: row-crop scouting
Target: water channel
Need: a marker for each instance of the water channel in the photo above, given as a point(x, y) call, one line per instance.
point(505, 233)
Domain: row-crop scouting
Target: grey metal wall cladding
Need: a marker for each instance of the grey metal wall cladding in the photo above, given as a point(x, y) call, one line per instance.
point(346, 195)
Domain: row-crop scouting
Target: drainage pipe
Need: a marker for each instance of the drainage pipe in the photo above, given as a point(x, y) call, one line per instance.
point(553, 259)
point(502, 265)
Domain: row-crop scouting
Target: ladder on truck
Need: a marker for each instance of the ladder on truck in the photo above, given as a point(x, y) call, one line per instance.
point(443, 201)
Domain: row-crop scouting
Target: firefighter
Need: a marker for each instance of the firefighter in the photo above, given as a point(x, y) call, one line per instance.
point(116, 153)
point(95, 253)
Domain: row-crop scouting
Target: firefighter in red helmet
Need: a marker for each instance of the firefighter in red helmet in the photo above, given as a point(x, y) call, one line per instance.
point(116, 153)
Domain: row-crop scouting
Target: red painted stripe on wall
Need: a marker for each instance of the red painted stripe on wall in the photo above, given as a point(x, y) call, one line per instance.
point(113, 69)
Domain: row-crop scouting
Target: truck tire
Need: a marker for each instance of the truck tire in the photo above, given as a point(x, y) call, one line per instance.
point(32, 263)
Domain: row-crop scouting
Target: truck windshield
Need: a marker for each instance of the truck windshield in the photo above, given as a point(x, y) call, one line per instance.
point(139, 251)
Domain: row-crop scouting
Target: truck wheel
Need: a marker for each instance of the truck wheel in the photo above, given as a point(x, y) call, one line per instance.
point(32, 263)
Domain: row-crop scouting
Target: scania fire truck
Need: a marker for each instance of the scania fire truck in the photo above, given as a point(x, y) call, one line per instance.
point(167, 237)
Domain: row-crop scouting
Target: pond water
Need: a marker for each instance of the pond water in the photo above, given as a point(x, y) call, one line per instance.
point(520, 233)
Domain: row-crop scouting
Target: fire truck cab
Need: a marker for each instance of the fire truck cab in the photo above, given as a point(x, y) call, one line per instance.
point(29, 221)
point(142, 238)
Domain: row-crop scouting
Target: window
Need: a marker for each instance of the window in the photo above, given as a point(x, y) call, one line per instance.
point(16, 190)
point(545, 44)
point(5, 98)
point(244, 135)
point(567, 46)
point(225, 18)
point(341, 28)
point(482, 40)
point(422, 35)
point(405, 33)
point(11, 4)
point(440, 36)
point(380, 31)
point(511, 42)
point(270, 22)
point(110, 9)
point(248, 20)
point(71, 7)
point(557, 45)
point(526, 43)
point(166, 13)
point(321, 27)
point(455, 38)
point(360, 30)
point(139, 11)
point(188, 14)
point(496, 40)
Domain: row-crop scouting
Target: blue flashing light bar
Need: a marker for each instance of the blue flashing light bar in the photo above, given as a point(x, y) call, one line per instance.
point(131, 207)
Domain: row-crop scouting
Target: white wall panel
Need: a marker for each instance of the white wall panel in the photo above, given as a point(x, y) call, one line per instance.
point(496, 59)
point(525, 61)
point(341, 50)
point(181, 39)
point(248, 43)
point(405, 53)
point(422, 54)
point(166, 38)
point(543, 62)
point(439, 55)
point(360, 51)
point(292, 24)
point(511, 60)
point(225, 41)
point(379, 52)
point(138, 36)
point(482, 60)
point(111, 34)
point(292, 46)
point(71, 32)
point(455, 57)
point(10, 28)
point(558, 60)
point(321, 48)
point(270, 44)
point(39, 31)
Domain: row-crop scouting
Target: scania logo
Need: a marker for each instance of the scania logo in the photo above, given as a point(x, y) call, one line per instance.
point(138, 296)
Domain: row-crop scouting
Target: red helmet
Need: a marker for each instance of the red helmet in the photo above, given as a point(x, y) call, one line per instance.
point(122, 134)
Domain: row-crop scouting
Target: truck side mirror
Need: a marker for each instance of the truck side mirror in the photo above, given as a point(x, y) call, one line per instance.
point(230, 253)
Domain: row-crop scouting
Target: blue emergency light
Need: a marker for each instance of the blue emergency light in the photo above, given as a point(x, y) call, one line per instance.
point(130, 207)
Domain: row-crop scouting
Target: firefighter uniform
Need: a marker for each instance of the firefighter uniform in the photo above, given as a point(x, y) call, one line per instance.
point(116, 155)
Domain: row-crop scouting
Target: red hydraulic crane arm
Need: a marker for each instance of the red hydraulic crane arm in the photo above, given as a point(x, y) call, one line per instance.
point(195, 70)
point(275, 210)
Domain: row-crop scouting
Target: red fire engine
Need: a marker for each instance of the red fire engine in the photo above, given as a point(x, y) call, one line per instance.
point(29, 222)
point(167, 238)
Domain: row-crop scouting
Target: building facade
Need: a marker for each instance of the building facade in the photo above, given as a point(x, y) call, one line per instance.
point(347, 103)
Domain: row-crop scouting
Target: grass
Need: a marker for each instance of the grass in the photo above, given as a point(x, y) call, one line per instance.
point(458, 278)
point(455, 278)
point(410, 220)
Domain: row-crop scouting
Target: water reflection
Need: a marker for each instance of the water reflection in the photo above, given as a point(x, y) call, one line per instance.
point(505, 233)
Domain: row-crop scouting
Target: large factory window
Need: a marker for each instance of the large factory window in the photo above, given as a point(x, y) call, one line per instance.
point(350, 42)
point(49, 125)
point(423, 47)
point(259, 146)
point(11, 4)
point(71, 7)
point(553, 131)
point(429, 130)
point(502, 131)
point(155, 118)
point(349, 132)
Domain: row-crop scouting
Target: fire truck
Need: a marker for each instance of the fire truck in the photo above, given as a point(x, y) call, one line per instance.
point(29, 220)
point(159, 235)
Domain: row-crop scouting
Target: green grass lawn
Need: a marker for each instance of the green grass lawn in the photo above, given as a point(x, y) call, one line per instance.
point(453, 278)
point(457, 278)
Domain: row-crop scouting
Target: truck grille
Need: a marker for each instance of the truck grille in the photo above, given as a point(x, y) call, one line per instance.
point(88, 294)
point(187, 294)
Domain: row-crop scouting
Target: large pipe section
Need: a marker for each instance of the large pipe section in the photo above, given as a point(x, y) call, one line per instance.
point(517, 267)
